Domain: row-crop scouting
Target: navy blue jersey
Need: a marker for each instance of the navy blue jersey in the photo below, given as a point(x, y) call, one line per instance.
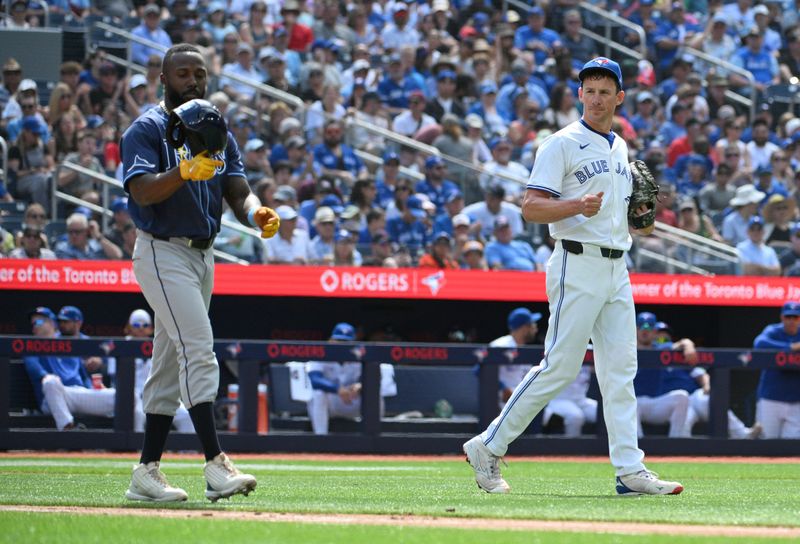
point(194, 210)
point(678, 378)
point(779, 385)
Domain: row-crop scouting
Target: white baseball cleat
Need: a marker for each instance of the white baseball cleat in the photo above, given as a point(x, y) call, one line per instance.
point(646, 482)
point(149, 484)
point(224, 480)
point(486, 467)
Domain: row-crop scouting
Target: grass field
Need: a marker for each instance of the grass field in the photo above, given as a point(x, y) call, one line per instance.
point(731, 494)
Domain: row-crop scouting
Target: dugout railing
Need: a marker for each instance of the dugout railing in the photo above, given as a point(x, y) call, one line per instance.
point(252, 355)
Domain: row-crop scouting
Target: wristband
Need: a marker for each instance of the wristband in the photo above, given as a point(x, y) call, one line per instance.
point(251, 217)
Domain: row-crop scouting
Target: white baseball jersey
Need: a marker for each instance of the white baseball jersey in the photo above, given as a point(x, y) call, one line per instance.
point(344, 373)
point(510, 375)
point(576, 161)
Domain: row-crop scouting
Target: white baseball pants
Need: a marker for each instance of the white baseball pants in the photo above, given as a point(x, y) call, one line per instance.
point(177, 280)
point(671, 408)
point(62, 402)
point(779, 419)
point(323, 406)
point(699, 410)
point(574, 413)
point(590, 297)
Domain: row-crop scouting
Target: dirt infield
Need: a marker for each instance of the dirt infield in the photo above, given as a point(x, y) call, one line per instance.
point(428, 521)
point(400, 458)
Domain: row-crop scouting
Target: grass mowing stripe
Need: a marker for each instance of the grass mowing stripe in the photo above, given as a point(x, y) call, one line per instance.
point(35, 463)
point(741, 494)
point(34, 528)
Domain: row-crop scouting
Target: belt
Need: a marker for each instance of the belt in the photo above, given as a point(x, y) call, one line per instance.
point(194, 243)
point(577, 248)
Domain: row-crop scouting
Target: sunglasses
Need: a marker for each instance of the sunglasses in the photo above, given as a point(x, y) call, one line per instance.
point(140, 325)
point(76, 231)
point(39, 322)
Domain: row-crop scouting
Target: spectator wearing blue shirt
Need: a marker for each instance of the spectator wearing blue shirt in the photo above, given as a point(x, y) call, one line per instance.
point(396, 87)
point(696, 176)
point(505, 253)
point(408, 229)
point(676, 128)
point(755, 58)
point(435, 185)
point(756, 257)
point(522, 81)
point(85, 241)
point(535, 37)
point(150, 30)
point(778, 406)
point(243, 68)
point(336, 159)
point(767, 184)
point(672, 34)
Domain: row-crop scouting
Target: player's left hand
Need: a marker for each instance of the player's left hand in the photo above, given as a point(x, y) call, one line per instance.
point(267, 220)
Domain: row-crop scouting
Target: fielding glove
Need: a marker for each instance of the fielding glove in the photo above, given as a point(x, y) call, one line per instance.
point(267, 220)
point(199, 168)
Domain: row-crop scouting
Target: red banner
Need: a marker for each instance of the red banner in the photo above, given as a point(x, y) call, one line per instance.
point(405, 283)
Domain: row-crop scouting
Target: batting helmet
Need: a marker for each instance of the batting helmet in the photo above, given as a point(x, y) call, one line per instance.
point(199, 124)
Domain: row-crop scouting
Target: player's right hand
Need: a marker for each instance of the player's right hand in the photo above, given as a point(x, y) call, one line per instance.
point(199, 168)
point(267, 220)
point(590, 204)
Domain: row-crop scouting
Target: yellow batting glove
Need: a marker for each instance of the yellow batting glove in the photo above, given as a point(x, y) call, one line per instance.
point(266, 219)
point(199, 168)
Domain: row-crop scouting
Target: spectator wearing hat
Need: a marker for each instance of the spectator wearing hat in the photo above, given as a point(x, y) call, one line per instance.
point(673, 33)
point(380, 249)
point(217, 25)
point(440, 253)
point(581, 48)
point(766, 183)
point(291, 245)
point(120, 220)
point(108, 90)
point(494, 205)
point(692, 220)
point(536, 37)
point(756, 59)
point(137, 96)
point(85, 241)
point(757, 258)
point(453, 206)
point(149, 29)
point(715, 196)
point(336, 159)
point(80, 185)
point(299, 36)
point(435, 185)
point(399, 32)
point(61, 384)
point(326, 54)
point(273, 64)
point(407, 229)
point(70, 323)
point(720, 106)
point(486, 109)
point(646, 121)
point(696, 174)
point(31, 162)
point(243, 68)
point(789, 258)
point(505, 253)
point(396, 87)
point(328, 26)
point(344, 249)
point(745, 204)
point(714, 40)
point(386, 177)
point(324, 194)
point(369, 110)
point(32, 245)
point(522, 83)
point(445, 100)
point(27, 93)
point(254, 159)
point(472, 256)
point(763, 21)
point(501, 170)
point(779, 213)
point(778, 405)
point(321, 250)
point(411, 121)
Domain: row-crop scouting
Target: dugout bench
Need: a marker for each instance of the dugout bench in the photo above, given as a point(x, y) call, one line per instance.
point(371, 435)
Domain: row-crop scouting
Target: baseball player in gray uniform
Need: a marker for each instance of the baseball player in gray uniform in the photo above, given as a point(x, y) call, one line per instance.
point(581, 185)
point(176, 190)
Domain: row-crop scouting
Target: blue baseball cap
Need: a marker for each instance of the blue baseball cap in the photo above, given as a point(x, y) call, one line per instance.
point(756, 220)
point(442, 235)
point(697, 160)
point(415, 207)
point(497, 141)
point(390, 156)
point(42, 310)
point(343, 235)
point(791, 307)
point(430, 162)
point(119, 204)
point(662, 326)
point(536, 10)
point(522, 316)
point(488, 87)
point(646, 320)
point(32, 123)
point(446, 74)
point(70, 313)
point(453, 195)
point(602, 63)
point(94, 121)
point(343, 331)
point(333, 202)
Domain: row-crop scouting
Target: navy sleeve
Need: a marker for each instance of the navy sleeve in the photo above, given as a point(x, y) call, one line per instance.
point(233, 158)
point(140, 150)
point(35, 369)
point(319, 381)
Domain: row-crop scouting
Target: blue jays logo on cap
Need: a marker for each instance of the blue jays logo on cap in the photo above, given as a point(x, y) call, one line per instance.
point(602, 63)
point(70, 313)
point(522, 316)
point(646, 320)
point(343, 331)
point(791, 307)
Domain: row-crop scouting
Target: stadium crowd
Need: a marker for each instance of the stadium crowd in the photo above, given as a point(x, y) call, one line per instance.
point(482, 85)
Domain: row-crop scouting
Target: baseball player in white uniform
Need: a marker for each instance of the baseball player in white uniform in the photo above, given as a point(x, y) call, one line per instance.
point(522, 327)
point(581, 185)
point(572, 404)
